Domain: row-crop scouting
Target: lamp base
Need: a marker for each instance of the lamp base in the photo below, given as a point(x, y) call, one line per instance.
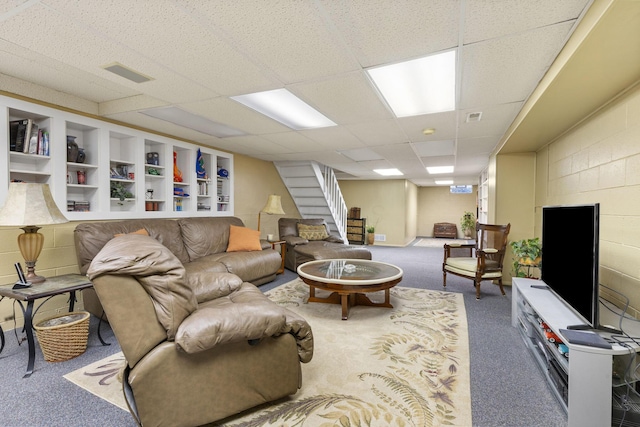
point(30, 244)
point(32, 277)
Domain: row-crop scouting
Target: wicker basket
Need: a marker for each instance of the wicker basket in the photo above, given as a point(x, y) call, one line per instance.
point(64, 336)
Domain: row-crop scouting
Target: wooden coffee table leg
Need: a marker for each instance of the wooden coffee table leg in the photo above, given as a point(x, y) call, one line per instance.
point(345, 306)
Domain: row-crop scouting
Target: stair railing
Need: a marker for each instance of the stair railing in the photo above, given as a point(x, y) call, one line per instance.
point(336, 203)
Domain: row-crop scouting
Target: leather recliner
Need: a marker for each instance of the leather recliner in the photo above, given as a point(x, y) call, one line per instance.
point(196, 352)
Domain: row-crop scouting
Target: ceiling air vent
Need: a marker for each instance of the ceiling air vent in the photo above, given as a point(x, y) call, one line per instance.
point(474, 117)
point(127, 73)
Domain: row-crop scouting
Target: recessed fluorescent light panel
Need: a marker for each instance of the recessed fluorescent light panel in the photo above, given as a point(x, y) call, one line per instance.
point(388, 172)
point(285, 107)
point(188, 120)
point(444, 182)
point(420, 86)
point(439, 169)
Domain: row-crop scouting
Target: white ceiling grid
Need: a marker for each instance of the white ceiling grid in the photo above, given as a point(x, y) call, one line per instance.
point(201, 52)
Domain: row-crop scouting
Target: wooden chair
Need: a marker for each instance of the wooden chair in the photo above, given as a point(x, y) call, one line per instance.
point(480, 261)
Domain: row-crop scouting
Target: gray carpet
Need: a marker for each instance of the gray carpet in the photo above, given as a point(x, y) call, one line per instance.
point(507, 387)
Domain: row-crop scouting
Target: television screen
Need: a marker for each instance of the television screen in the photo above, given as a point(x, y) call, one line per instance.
point(570, 241)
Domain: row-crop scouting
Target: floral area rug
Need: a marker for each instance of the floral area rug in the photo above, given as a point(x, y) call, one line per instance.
point(405, 366)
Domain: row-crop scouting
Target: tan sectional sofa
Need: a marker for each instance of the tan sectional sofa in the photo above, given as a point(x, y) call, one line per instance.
point(200, 244)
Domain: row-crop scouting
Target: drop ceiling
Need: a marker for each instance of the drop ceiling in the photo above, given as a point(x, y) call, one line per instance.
point(199, 53)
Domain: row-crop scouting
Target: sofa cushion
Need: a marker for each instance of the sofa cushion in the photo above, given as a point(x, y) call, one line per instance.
point(243, 239)
point(206, 236)
point(249, 266)
point(289, 226)
point(245, 314)
point(312, 232)
point(90, 237)
point(159, 272)
point(210, 280)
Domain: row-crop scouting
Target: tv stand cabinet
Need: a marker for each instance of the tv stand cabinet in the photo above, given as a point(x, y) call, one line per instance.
point(584, 381)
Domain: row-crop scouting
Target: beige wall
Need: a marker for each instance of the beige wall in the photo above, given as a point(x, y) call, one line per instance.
point(437, 204)
point(254, 181)
point(384, 204)
point(411, 211)
point(599, 161)
point(515, 200)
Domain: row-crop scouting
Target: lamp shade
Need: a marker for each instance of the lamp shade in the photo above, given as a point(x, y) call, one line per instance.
point(273, 206)
point(30, 204)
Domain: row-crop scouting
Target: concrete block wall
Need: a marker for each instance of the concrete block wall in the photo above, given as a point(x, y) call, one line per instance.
point(58, 257)
point(599, 161)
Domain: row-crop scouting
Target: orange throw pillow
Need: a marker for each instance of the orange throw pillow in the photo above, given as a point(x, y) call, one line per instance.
point(142, 231)
point(243, 239)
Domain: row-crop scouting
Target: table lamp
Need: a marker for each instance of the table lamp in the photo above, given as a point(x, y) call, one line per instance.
point(28, 206)
point(273, 207)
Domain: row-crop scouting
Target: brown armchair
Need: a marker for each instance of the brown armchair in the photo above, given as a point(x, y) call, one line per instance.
point(480, 261)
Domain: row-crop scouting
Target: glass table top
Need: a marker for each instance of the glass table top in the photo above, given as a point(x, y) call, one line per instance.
point(349, 271)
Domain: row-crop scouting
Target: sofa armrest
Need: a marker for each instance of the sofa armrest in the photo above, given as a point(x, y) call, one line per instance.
point(297, 326)
point(230, 322)
point(265, 244)
point(334, 239)
point(294, 240)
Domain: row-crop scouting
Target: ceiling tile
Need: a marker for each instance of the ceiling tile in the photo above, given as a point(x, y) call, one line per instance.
point(506, 70)
point(380, 132)
point(370, 27)
point(282, 42)
point(348, 98)
point(435, 148)
point(491, 19)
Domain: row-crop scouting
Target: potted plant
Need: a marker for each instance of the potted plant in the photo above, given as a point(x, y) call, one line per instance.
point(371, 230)
point(119, 191)
point(468, 224)
point(527, 253)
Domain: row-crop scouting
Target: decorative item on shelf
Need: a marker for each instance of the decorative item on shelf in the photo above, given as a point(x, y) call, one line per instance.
point(81, 155)
point(119, 191)
point(72, 149)
point(201, 172)
point(354, 213)
point(177, 175)
point(153, 171)
point(273, 207)
point(149, 193)
point(468, 224)
point(371, 236)
point(82, 206)
point(82, 177)
point(153, 159)
point(527, 254)
point(120, 172)
point(223, 173)
point(28, 206)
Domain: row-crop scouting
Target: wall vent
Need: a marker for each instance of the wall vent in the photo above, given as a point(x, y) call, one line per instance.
point(474, 117)
point(380, 237)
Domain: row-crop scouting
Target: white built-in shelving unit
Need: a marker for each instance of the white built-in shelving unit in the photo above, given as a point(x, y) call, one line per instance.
point(115, 155)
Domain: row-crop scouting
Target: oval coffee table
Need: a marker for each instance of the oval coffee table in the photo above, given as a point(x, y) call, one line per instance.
point(349, 284)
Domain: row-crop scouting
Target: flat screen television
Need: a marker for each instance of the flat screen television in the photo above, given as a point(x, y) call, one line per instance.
point(570, 262)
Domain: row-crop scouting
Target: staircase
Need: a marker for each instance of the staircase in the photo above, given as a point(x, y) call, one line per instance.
point(315, 191)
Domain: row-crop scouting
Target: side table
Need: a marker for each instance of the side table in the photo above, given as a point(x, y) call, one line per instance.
point(51, 287)
point(283, 251)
